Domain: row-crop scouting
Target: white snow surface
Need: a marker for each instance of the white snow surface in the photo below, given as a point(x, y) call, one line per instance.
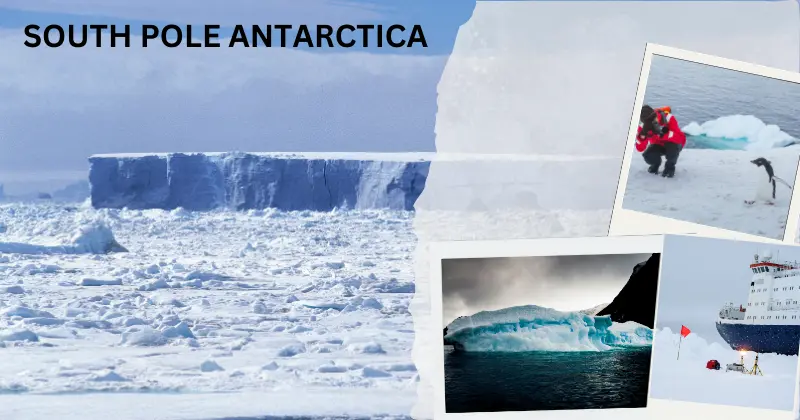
point(710, 188)
point(535, 328)
point(687, 379)
point(221, 304)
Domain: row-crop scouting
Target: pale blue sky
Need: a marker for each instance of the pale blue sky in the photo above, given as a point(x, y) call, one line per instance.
point(61, 105)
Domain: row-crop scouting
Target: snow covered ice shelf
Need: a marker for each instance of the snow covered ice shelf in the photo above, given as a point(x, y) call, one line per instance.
point(687, 379)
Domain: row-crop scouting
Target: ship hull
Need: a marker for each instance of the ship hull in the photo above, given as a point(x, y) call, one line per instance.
point(779, 339)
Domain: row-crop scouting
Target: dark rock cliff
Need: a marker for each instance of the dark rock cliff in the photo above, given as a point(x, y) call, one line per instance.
point(637, 300)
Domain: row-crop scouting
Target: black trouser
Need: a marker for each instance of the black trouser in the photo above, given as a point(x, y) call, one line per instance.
point(669, 150)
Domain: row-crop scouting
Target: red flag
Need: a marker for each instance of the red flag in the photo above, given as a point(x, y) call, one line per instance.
point(685, 331)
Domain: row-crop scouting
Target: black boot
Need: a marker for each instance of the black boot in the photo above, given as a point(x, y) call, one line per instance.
point(653, 169)
point(668, 172)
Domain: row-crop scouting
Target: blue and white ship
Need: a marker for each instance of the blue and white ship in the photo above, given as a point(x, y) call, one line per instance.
point(770, 322)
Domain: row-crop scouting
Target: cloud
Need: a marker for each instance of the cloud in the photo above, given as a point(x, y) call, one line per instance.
point(61, 105)
point(563, 282)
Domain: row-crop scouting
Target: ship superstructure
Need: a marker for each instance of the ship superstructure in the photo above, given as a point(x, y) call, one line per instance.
point(770, 320)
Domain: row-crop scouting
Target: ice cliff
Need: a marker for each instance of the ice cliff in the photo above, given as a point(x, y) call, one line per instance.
point(241, 181)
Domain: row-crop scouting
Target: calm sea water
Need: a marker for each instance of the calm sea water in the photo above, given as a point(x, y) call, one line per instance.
point(700, 93)
point(493, 382)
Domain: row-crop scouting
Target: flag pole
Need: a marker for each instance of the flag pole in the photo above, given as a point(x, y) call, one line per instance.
point(679, 347)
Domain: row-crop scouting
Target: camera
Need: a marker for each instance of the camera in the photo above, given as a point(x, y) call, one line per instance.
point(653, 127)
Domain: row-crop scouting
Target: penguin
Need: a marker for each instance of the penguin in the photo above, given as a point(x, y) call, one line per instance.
point(765, 188)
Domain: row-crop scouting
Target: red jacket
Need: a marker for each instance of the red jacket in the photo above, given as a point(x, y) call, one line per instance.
point(675, 135)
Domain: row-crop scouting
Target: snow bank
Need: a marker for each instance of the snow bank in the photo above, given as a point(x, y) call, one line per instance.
point(93, 237)
point(534, 328)
point(686, 378)
point(757, 134)
point(201, 181)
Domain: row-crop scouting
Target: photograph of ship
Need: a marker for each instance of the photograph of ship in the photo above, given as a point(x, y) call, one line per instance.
point(728, 323)
point(548, 332)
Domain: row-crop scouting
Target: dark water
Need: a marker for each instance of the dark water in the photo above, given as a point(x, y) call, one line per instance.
point(700, 93)
point(492, 382)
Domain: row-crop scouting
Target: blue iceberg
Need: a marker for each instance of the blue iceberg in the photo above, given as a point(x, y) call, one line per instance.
point(535, 328)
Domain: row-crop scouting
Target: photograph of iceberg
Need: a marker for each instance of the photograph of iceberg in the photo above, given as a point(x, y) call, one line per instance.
point(548, 332)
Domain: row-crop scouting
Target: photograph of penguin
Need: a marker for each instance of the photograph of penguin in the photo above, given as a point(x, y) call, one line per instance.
point(765, 182)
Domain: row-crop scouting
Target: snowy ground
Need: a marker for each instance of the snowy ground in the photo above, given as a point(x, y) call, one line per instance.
point(710, 187)
point(687, 379)
point(220, 314)
point(210, 303)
